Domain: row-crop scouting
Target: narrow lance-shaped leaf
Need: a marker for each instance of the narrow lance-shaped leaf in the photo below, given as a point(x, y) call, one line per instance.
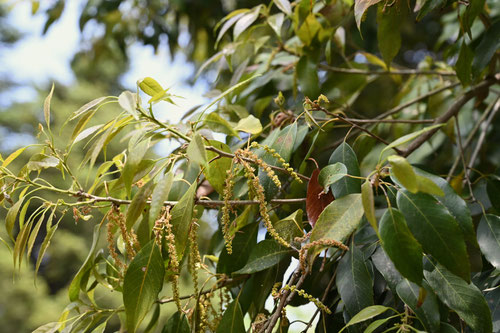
point(181, 219)
point(436, 230)
point(389, 19)
point(142, 283)
point(46, 106)
point(367, 313)
point(409, 137)
point(368, 201)
point(135, 156)
point(265, 254)
point(400, 245)
point(462, 297)
point(159, 196)
point(138, 203)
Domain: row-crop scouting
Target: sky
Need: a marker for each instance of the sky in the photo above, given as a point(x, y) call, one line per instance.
point(38, 59)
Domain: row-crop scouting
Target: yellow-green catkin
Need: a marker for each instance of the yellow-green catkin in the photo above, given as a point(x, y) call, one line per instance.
point(174, 261)
point(257, 160)
point(194, 254)
point(310, 298)
point(226, 210)
point(119, 219)
point(320, 242)
point(111, 243)
point(280, 159)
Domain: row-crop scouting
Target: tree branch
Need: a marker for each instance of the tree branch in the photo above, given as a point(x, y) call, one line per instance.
point(452, 111)
point(378, 72)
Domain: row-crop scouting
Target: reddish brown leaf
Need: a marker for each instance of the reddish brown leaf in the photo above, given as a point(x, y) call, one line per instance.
point(316, 200)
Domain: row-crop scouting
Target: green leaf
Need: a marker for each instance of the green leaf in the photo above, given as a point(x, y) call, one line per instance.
point(408, 137)
point(87, 107)
point(404, 172)
point(307, 75)
point(307, 31)
point(159, 196)
point(215, 171)
point(276, 22)
point(178, 323)
point(76, 283)
point(354, 281)
point(386, 267)
point(367, 313)
point(13, 156)
point(400, 245)
point(142, 283)
point(376, 324)
point(51, 229)
point(218, 124)
point(82, 122)
point(265, 254)
point(339, 220)
point(368, 202)
point(232, 319)
point(243, 243)
point(428, 6)
point(196, 150)
point(290, 227)
point(52, 327)
point(331, 174)
point(436, 230)
point(138, 203)
point(182, 214)
point(463, 64)
point(389, 20)
point(428, 311)
point(150, 86)
point(493, 299)
point(347, 185)
point(46, 106)
point(462, 297)
point(486, 49)
point(10, 219)
point(41, 161)
point(426, 185)
point(245, 21)
point(360, 6)
point(283, 144)
point(128, 101)
point(250, 125)
point(284, 6)
point(488, 236)
point(134, 158)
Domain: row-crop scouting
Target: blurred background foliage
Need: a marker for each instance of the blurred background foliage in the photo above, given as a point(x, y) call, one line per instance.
point(187, 27)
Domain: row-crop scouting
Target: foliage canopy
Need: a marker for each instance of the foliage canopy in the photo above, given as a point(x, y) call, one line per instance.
point(345, 178)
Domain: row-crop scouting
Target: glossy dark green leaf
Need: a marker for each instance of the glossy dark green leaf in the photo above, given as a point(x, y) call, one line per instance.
point(290, 227)
point(215, 172)
point(428, 311)
point(75, 286)
point(243, 243)
point(331, 174)
point(489, 44)
point(354, 281)
point(232, 319)
point(386, 267)
point(134, 158)
point(182, 214)
point(307, 75)
point(493, 190)
point(138, 204)
point(436, 230)
point(159, 196)
point(400, 245)
point(488, 236)
point(428, 6)
point(142, 283)
point(493, 300)
point(283, 144)
point(178, 323)
point(463, 64)
point(389, 19)
point(347, 185)
point(265, 254)
point(462, 297)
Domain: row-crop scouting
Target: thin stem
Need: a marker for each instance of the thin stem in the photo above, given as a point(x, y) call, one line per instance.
point(378, 72)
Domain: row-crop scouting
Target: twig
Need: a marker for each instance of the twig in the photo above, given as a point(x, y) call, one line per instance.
point(482, 136)
point(452, 111)
point(378, 72)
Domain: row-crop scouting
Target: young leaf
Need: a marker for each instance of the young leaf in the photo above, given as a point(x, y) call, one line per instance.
point(250, 125)
point(408, 137)
point(331, 174)
point(215, 171)
point(218, 124)
point(360, 6)
point(13, 156)
point(245, 21)
point(160, 195)
point(462, 297)
point(150, 86)
point(354, 281)
point(128, 101)
point(369, 204)
point(284, 6)
point(196, 150)
point(428, 311)
point(316, 199)
point(142, 283)
point(436, 230)
point(46, 106)
point(178, 323)
point(389, 19)
point(182, 214)
point(135, 156)
point(232, 320)
point(87, 107)
point(400, 245)
point(404, 172)
point(265, 254)
point(367, 313)
point(290, 227)
point(10, 219)
point(488, 236)
point(347, 185)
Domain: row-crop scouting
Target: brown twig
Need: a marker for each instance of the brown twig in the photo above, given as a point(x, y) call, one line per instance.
point(378, 72)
